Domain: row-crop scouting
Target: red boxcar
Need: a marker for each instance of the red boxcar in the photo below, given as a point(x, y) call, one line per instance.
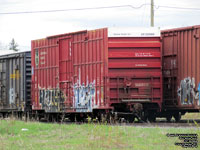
point(103, 69)
point(181, 68)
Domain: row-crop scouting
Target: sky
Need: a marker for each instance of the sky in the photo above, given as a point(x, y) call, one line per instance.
point(30, 26)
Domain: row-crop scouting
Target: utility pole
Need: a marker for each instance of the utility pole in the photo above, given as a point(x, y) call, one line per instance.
point(152, 13)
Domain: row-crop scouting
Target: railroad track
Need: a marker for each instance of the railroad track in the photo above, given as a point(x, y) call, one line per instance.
point(165, 124)
point(188, 123)
point(159, 123)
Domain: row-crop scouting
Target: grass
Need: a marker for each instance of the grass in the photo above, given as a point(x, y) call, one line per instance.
point(44, 136)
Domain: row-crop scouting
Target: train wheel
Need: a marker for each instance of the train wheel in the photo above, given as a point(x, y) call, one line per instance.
point(131, 119)
point(72, 118)
point(177, 116)
point(80, 118)
point(152, 118)
point(54, 118)
point(144, 116)
point(169, 118)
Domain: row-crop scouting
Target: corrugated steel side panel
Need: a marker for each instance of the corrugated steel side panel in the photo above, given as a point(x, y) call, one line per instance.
point(135, 70)
point(45, 74)
point(181, 67)
point(84, 70)
point(15, 81)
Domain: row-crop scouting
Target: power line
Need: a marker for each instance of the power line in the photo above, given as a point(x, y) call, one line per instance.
point(171, 7)
point(95, 8)
point(77, 9)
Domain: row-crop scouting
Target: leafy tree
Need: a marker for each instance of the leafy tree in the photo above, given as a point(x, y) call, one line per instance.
point(13, 45)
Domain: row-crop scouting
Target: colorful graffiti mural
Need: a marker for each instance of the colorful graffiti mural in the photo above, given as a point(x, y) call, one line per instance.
point(11, 96)
point(186, 91)
point(50, 99)
point(84, 96)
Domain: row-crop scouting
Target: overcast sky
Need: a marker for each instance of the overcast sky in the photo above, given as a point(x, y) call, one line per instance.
point(26, 27)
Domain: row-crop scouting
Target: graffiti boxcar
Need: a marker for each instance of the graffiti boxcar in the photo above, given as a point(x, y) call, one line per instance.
point(181, 68)
point(15, 83)
point(97, 70)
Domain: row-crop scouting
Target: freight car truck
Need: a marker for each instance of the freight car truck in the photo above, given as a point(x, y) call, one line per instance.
point(99, 73)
